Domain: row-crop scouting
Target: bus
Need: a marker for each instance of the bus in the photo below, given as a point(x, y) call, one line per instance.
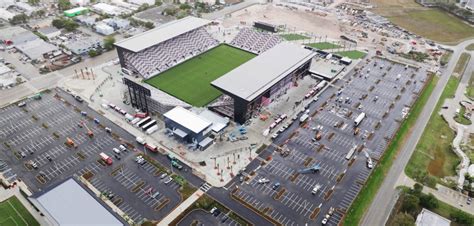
point(303, 118)
point(359, 119)
point(149, 125)
point(143, 121)
point(151, 147)
point(351, 153)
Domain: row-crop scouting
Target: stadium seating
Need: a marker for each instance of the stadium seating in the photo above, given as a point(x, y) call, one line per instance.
point(165, 55)
point(255, 41)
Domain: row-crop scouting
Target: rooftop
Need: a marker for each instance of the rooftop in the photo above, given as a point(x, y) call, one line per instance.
point(47, 30)
point(262, 72)
point(325, 68)
point(36, 48)
point(187, 119)
point(162, 33)
point(82, 208)
point(428, 218)
point(75, 10)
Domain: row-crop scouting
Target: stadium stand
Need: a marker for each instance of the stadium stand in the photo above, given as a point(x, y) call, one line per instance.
point(163, 56)
point(255, 41)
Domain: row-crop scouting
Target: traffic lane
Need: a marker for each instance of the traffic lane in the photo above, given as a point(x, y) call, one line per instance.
point(202, 217)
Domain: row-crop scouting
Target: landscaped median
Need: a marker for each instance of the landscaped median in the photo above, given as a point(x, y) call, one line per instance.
point(368, 192)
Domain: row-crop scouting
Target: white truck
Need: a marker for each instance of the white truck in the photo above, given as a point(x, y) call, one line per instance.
point(359, 119)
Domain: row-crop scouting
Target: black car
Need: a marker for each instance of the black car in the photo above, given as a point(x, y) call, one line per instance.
point(216, 212)
point(224, 219)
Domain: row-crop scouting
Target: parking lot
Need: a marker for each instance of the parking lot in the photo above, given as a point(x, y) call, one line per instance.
point(328, 151)
point(202, 217)
point(48, 140)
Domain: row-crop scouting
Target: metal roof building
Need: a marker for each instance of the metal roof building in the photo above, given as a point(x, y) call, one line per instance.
point(162, 33)
point(187, 119)
point(188, 127)
point(259, 80)
point(262, 72)
point(81, 207)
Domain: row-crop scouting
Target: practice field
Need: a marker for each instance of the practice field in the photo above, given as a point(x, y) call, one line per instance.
point(13, 213)
point(191, 80)
point(324, 45)
point(293, 37)
point(353, 54)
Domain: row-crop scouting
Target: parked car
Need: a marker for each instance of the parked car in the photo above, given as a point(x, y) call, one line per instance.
point(168, 180)
point(22, 104)
point(276, 185)
point(263, 180)
point(163, 175)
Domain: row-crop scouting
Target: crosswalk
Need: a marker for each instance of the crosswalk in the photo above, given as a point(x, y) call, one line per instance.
point(205, 187)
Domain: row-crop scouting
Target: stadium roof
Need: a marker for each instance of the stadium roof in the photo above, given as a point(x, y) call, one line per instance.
point(262, 72)
point(162, 33)
point(187, 119)
point(82, 208)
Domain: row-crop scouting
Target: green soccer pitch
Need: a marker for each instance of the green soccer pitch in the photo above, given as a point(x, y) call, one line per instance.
point(191, 80)
point(13, 213)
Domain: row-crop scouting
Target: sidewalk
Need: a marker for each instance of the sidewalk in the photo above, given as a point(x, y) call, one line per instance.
point(180, 209)
point(444, 194)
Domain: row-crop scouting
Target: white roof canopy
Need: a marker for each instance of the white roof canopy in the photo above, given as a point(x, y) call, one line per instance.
point(187, 119)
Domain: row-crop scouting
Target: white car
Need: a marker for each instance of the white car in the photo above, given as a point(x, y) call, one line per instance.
point(275, 135)
point(263, 180)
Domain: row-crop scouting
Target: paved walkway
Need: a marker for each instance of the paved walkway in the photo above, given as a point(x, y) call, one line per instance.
point(463, 131)
point(179, 209)
point(444, 194)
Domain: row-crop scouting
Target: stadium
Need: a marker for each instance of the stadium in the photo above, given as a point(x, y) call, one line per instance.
point(185, 63)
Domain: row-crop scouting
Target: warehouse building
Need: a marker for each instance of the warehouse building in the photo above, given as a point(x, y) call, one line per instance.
point(259, 81)
point(76, 11)
point(79, 203)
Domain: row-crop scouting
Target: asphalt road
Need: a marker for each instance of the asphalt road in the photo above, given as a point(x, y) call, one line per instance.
point(387, 194)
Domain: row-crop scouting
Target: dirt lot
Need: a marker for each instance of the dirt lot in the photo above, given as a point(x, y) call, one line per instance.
point(301, 20)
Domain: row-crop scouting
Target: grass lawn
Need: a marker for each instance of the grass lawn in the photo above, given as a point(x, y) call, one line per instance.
point(470, 87)
point(13, 213)
point(462, 63)
point(191, 80)
point(433, 155)
point(470, 47)
point(460, 117)
point(292, 37)
point(324, 45)
point(366, 195)
point(353, 54)
point(430, 23)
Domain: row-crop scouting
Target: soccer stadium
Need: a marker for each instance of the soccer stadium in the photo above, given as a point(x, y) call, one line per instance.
point(182, 63)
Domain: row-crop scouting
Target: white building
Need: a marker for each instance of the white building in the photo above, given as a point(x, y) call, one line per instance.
point(141, 2)
point(80, 2)
point(104, 29)
point(104, 8)
point(83, 46)
point(5, 14)
point(428, 218)
point(117, 23)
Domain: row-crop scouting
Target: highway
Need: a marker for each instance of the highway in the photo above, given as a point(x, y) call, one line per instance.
point(386, 196)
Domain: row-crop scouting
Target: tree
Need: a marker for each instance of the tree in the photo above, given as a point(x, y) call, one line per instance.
point(171, 11)
point(143, 7)
point(149, 25)
point(417, 188)
point(64, 4)
point(184, 6)
point(410, 203)
point(19, 19)
point(429, 201)
point(158, 2)
point(461, 217)
point(109, 42)
point(403, 219)
point(33, 2)
point(70, 25)
point(58, 23)
point(93, 53)
point(39, 13)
